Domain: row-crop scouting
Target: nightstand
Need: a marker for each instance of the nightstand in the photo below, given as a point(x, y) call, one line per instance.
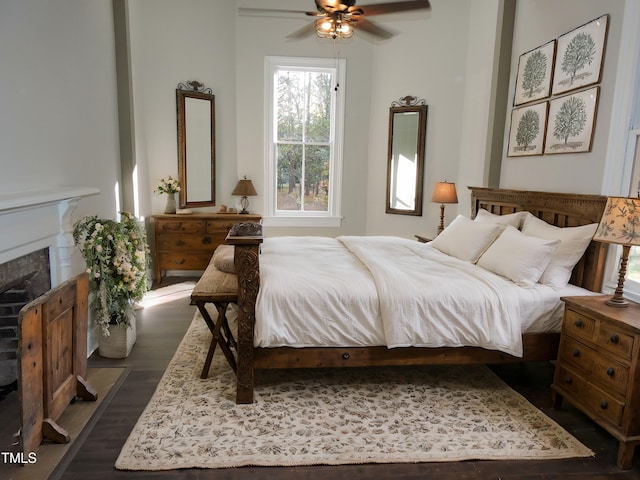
point(598, 368)
point(422, 239)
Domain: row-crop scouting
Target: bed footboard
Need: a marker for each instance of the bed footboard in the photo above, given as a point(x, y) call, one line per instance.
point(247, 266)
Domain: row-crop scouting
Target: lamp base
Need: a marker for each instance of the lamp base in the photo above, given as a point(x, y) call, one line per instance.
point(616, 302)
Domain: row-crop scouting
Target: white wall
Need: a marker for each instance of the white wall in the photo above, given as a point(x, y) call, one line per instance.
point(173, 42)
point(537, 23)
point(58, 117)
point(427, 58)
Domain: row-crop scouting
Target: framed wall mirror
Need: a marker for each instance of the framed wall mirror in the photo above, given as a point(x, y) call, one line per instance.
point(405, 167)
point(195, 106)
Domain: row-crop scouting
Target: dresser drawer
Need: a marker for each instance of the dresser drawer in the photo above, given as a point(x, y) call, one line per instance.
point(180, 226)
point(187, 243)
point(577, 325)
point(608, 373)
point(614, 341)
point(183, 261)
point(220, 228)
point(591, 398)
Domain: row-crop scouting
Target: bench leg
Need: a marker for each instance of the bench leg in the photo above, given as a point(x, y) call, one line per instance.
point(217, 338)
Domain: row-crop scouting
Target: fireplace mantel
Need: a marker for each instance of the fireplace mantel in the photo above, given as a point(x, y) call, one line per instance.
point(12, 201)
point(41, 219)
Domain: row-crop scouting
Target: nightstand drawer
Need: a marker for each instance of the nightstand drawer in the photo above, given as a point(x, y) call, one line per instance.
point(597, 368)
point(591, 398)
point(578, 325)
point(616, 342)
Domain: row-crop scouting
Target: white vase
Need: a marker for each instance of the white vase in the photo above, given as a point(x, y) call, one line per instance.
point(170, 206)
point(120, 341)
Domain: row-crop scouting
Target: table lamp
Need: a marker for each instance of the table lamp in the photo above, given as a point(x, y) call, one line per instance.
point(245, 189)
point(444, 192)
point(620, 225)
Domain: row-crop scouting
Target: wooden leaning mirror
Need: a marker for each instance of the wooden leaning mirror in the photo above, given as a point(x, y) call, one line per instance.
point(196, 144)
point(405, 167)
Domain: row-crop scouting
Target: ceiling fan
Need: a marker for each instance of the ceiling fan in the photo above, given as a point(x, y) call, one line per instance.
point(339, 18)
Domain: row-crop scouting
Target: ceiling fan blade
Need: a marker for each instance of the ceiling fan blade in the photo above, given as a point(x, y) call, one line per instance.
point(372, 28)
point(271, 12)
point(303, 32)
point(334, 5)
point(396, 7)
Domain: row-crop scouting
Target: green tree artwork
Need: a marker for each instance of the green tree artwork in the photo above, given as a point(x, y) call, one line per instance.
point(528, 129)
point(570, 119)
point(534, 73)
point(579, 54)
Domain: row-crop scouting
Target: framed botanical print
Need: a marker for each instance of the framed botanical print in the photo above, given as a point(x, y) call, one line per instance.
point(572, 119)
point(527, 133)
point(535, 69)
point(580, 55)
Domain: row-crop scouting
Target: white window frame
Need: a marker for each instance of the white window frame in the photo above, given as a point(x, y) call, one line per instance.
point(620, 175)
point(280, 218)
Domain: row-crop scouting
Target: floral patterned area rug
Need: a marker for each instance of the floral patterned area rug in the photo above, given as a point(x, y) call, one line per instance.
point(335, 416)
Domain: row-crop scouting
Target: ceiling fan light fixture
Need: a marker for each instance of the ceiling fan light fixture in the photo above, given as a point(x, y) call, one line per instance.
point(334, 27)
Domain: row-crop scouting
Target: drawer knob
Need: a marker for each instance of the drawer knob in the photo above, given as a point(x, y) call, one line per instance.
point(579, 323)
point(604, 405)
point(614, 338)
point(610, 371)
point(180, 243)
point(576, 353)
point(568, 380)
point(345, 356)
point(206, 240)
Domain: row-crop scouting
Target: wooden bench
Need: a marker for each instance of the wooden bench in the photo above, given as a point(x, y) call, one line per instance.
point(220, 289)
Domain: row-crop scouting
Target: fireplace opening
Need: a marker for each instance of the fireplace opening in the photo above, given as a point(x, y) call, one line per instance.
point(21, 281)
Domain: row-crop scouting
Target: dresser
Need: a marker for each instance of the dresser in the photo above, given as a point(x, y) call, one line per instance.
point(598, 370)
point(187, 242)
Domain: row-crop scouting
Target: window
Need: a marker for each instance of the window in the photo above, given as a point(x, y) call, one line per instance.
point(304, 131)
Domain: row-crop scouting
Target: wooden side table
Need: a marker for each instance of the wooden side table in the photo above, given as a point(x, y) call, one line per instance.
point(422, 239)
point(598, 368)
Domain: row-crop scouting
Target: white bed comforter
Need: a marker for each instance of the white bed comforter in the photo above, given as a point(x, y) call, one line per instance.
point(365, 291)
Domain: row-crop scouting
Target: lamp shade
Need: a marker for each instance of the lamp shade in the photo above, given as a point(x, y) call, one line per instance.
point(244, 188)
point(620, 223)
point(444, 192)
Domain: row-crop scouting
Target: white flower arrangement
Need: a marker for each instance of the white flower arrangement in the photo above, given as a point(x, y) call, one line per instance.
point(168, 185)
point(116, 255)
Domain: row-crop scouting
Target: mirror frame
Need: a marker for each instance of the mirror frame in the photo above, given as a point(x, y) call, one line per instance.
point(408, 104)
point(194, 89)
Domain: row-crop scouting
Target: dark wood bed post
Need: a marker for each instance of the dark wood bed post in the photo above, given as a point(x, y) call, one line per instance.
point(247, 249)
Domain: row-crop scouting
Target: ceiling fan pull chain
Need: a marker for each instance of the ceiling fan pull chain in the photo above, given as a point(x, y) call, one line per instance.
point(336, 56)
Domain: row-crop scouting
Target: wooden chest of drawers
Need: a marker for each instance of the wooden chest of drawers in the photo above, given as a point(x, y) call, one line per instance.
point(597, 369)
point(187, 242)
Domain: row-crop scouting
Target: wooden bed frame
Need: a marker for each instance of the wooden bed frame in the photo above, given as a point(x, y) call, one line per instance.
point(560, 209)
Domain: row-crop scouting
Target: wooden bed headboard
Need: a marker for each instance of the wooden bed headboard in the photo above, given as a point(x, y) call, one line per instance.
point(559, 209)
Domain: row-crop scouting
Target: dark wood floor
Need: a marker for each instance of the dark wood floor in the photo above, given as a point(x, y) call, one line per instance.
point(160, 329)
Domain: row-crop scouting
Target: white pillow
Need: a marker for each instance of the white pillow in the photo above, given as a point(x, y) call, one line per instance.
point(466, 239)
point(513, 219)
point(519, 257)
point(573, 242)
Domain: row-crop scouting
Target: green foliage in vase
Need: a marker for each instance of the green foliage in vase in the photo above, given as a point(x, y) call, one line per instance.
point(116, 254)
